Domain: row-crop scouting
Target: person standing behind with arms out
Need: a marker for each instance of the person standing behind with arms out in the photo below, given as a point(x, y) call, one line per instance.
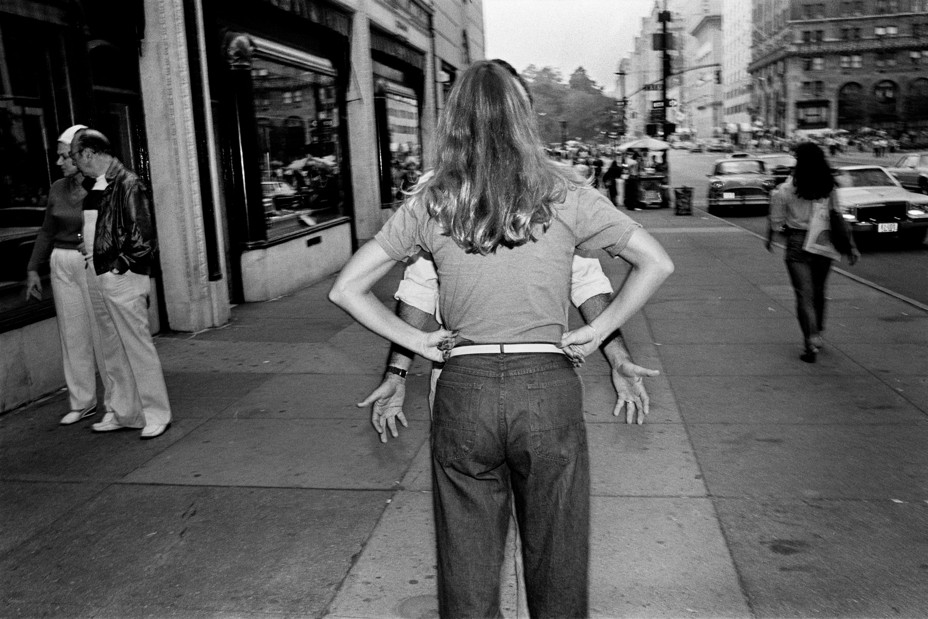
point(590, 292)
point(790, 212)
point(502, 223)
point(123, 251)
point(86, 331)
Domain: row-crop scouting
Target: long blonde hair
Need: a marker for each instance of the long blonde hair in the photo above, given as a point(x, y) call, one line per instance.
point(493, 184)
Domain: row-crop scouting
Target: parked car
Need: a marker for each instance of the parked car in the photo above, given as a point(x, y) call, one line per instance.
point(874, 203)
point(912, 171)
point(779, 166)
point(698, 147)
point(277, 195)
point(719, 146)
point(739, 183)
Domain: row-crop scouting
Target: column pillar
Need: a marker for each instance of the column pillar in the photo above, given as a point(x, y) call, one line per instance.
point(362, 132)
point(193, 302)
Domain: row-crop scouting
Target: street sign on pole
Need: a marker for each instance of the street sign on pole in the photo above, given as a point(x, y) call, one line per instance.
point(656, 105)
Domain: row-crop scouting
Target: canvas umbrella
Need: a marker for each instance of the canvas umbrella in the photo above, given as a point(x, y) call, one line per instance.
point(645, 144)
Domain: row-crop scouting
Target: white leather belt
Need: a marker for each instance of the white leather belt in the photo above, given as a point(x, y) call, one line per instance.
point(502, 349)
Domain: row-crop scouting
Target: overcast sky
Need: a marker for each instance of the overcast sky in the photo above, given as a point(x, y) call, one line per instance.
point(565, 34)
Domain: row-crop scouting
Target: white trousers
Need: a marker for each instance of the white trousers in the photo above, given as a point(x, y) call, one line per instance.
point(89, 341)
point(126, 299)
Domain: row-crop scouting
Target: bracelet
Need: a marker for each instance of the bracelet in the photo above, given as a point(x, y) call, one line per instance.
point(392, 369)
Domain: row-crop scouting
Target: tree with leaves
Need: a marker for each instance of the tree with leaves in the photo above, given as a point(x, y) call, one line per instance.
point(580, 102)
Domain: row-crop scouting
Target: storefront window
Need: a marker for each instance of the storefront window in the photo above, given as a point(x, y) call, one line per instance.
point(298, 124)
point(32, 68)
point(405, 148)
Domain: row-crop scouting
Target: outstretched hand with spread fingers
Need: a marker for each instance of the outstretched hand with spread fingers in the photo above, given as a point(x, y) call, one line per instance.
point(631, 395)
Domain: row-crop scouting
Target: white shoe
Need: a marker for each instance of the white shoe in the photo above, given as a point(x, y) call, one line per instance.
point(75, 416)
point(108, 424)
point(154, 430)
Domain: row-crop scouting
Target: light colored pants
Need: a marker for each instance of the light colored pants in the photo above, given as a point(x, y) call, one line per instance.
point(76, 303)
point(88, 337)
point(126, 297)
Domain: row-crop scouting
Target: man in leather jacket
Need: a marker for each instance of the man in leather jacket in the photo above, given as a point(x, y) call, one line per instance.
point(123, 252)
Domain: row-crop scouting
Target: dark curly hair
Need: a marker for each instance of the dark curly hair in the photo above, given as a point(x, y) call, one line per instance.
point(812, 177)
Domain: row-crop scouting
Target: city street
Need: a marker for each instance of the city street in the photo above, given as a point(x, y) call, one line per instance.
point(759, 487)
point(888, 264)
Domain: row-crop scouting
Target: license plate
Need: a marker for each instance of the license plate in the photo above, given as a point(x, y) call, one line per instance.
point(894, 227)
point(728, 195)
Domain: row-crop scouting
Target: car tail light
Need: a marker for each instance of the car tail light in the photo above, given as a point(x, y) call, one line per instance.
point(716, 185)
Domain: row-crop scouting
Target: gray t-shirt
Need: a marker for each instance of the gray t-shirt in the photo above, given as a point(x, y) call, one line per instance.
point(513, 295)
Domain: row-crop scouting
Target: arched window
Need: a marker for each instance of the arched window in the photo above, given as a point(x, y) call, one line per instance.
point(884, 113)
point(917, 100)
point(885, 92)
point(852, 113)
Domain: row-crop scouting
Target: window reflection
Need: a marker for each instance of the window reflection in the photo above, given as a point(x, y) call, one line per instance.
point(297, 124)
point(30, 63)
point(405, 150)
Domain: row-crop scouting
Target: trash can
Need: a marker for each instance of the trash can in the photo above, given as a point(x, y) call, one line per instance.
point(683, 200)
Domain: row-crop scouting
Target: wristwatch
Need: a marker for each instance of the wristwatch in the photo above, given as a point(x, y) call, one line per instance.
point(392, 369)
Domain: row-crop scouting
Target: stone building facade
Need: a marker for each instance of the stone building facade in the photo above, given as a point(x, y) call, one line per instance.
point(841, 65)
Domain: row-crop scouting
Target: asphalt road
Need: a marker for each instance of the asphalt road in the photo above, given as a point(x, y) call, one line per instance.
point(887, 264)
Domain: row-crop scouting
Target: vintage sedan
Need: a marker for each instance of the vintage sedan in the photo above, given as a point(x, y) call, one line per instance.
point(779, 165)
point(874, 203)
point(912, 171)
point(739, 183)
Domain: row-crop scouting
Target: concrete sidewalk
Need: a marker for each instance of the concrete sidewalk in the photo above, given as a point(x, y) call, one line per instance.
point(760, 486)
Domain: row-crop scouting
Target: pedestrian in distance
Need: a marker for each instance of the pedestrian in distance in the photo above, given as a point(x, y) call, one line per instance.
point(792, 207)
point(611, 179)
point(502, 222)
point(88, 336)
point(124, 251)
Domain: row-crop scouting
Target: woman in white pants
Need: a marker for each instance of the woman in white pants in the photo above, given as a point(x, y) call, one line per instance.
point(87, 334)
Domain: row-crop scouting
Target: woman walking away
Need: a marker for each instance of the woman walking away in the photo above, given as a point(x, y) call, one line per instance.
point(502, 222)
point(791, 209)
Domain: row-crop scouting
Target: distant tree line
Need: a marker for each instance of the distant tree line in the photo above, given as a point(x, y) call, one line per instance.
point(580, 102)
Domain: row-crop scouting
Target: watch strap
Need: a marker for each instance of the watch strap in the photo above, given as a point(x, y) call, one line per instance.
point(392, 369)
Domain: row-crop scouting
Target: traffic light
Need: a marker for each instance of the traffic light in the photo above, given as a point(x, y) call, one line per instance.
point(651, 129)
point(718, 76)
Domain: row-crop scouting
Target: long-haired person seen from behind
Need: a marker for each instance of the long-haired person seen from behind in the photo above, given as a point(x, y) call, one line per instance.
point(491, 154)
point(502, 223)
point(812, 176)
point(792, 207)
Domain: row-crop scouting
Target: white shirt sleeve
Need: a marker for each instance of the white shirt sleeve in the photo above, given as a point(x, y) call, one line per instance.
point(587, 280)
point(419, 287)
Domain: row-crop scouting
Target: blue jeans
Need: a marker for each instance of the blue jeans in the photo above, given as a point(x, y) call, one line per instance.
point(808, 272)
point(510, 428)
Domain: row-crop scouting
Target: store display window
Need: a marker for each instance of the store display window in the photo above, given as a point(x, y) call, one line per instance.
point(33, 81)
point(396, 109)
point(297, 123)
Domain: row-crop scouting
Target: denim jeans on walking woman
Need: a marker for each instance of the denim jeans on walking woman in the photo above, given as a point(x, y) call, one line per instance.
point(510, 427)
point(808, 273)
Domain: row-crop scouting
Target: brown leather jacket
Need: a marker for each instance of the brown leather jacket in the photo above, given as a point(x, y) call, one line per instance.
point(125, 234)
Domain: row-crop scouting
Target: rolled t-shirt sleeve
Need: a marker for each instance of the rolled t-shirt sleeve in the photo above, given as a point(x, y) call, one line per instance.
point(400, 235)
point(419, 287)
point(600, 225)
point(587, 280)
